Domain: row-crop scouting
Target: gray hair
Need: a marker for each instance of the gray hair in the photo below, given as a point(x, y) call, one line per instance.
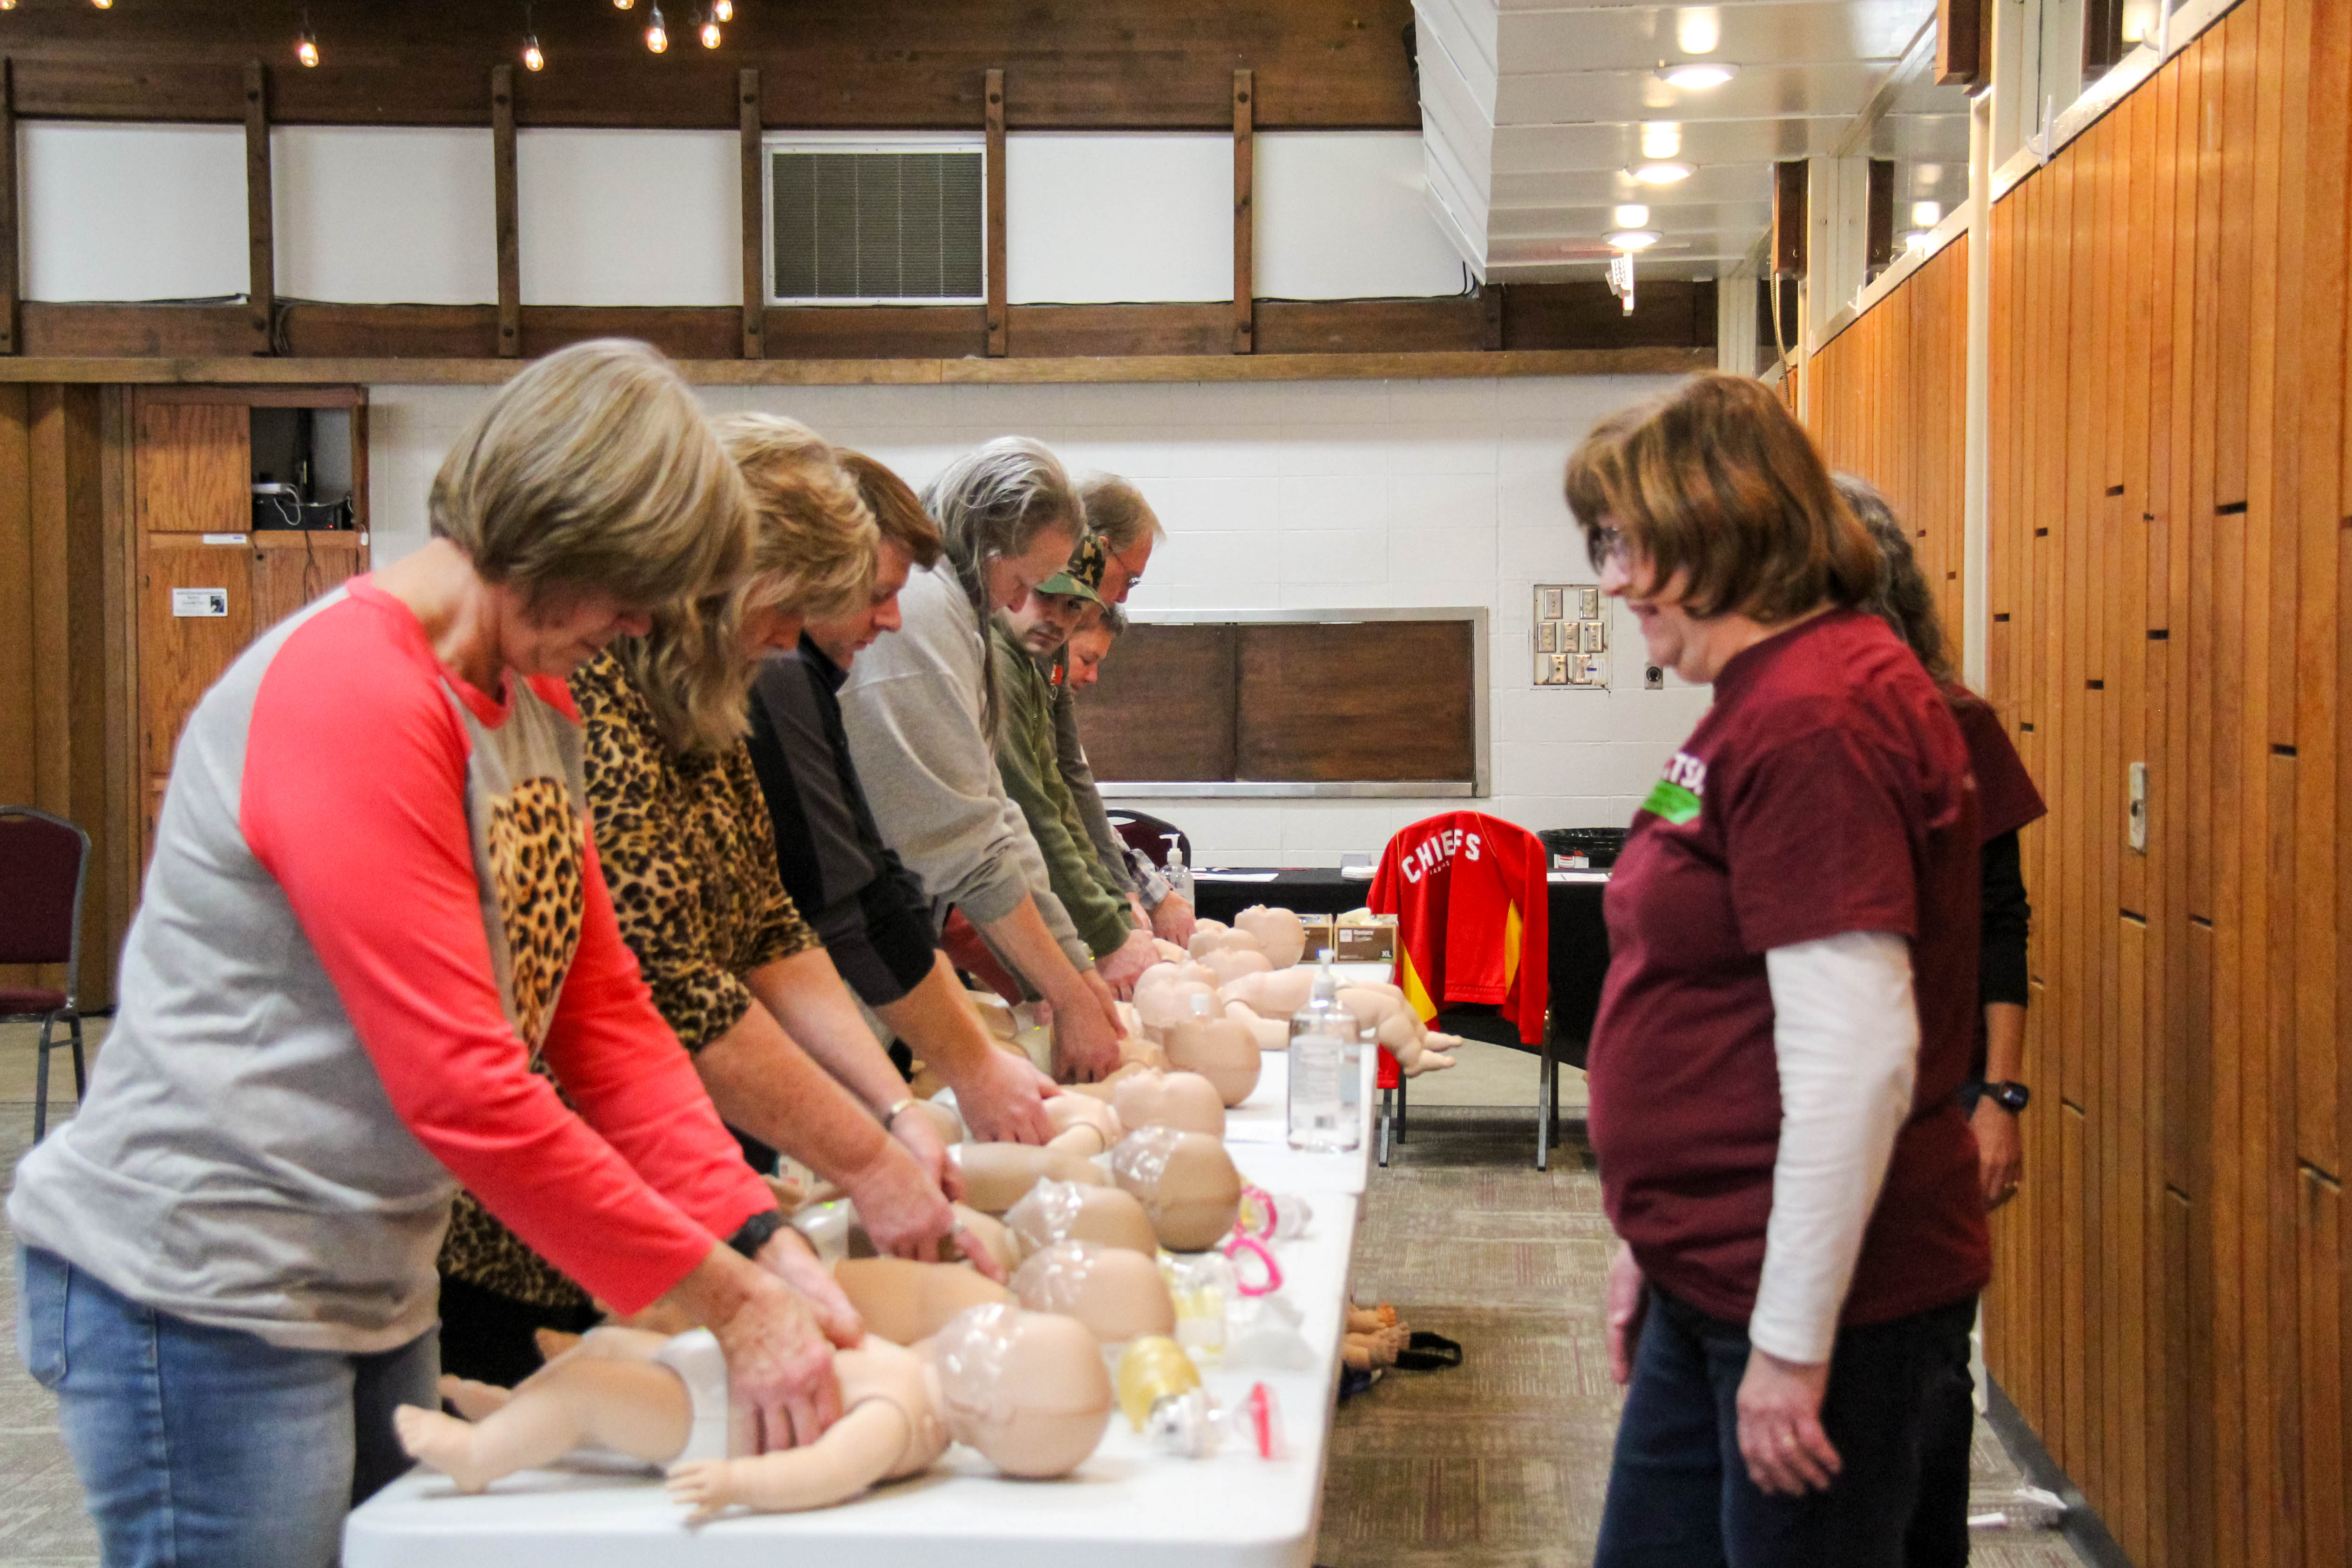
point(1901, 597)
point(1117, 510)
point(994, 502)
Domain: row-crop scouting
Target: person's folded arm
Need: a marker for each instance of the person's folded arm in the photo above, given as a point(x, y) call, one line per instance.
point(1845, 1034)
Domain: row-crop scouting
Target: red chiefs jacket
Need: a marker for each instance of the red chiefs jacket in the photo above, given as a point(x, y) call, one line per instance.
point(1470, 897)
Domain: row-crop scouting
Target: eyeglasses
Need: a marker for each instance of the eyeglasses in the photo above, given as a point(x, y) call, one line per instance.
point(1134, 574)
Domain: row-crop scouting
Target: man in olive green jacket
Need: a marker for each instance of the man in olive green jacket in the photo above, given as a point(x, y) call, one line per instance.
point(1025, 642)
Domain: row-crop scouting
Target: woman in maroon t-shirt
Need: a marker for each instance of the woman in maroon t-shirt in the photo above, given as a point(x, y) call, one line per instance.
point(1789, 1011)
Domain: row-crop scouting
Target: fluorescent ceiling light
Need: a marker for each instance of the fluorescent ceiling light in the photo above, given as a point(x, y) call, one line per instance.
point(1634, 239)
point(1662, 173)
point(1661, 139)
point(1697, 76)
point(1926, 214)
point(1632, 215)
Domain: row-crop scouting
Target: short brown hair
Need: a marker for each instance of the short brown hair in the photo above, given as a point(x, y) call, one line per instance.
point(898, 511)
point(595, 470)
point(1717, 479)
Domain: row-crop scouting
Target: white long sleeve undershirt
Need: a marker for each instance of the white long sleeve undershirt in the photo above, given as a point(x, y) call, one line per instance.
point(1846, 1033)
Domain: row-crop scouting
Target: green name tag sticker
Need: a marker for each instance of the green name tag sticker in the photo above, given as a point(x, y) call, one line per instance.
point(1673, 802)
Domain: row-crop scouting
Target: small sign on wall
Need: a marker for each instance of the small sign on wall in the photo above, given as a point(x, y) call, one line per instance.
point(1571, 636)
point(200, 601)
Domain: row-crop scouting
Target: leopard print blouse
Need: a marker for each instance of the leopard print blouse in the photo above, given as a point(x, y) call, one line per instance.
point(689, 855)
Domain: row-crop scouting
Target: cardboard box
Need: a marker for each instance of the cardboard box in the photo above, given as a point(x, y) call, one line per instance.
point(1319, 936)
point(1368, 944)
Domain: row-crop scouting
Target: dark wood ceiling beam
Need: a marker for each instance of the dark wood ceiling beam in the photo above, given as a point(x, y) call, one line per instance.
point(1244, 215)
point(10, 286)
point(261, 242)
point(993, 109)
point(752, 162)
point(508, 200)
point(912, 63)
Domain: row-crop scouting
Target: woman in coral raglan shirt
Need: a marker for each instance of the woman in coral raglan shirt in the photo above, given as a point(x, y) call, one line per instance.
point(375, 902)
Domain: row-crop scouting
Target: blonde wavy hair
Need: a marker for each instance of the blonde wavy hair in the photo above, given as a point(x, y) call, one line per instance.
point(594, 472)
point(815, 551)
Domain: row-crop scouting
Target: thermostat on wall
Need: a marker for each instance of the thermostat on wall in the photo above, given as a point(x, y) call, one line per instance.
point(1571, 637)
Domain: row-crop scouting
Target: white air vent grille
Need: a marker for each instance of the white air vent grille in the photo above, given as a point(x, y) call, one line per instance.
point(868, 225)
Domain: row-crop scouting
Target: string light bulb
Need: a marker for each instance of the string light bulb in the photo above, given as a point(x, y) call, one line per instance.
point(533, 57)
point(724, 10)
point(101, 5)
point(657, 35)
point(710, 31)
point(7, 4)
point(305, 46)
point(622, 4)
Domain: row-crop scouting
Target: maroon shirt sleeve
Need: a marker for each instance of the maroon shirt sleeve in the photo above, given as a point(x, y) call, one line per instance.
point(1817, 843)
point(2006, 798)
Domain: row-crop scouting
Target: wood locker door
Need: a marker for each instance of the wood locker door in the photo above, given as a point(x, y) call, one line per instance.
point(291, 569)
point(195, 615)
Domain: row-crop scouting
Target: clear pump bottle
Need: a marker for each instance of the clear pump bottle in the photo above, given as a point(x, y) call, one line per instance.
point(1180, 876)
point(1322, 1039)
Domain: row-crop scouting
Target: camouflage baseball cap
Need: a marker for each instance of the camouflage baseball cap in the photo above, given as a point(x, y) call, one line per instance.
point(1082, 578)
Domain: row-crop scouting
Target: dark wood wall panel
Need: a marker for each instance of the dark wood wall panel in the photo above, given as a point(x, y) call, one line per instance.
point(1068, 64)
point(1359, 699)
point(1164, 709)
point(2168, 491)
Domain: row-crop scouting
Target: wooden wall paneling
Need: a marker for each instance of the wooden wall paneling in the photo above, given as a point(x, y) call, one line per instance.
point(2317, 411)
point(19, 734)
point(509, 205)
point(2319, 1269)
point(993, 95)
point(825, 64)
point(193, 465)
point(1367, 699)
point(754, 182)
point(118, 599)
point(261, 289)
point(1245, 216)
point(11, 247)
point(290, 569)
point(1166, 713)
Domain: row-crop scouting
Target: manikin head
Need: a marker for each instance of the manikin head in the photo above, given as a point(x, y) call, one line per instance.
point(1116, 1293)
point(1029, 1390)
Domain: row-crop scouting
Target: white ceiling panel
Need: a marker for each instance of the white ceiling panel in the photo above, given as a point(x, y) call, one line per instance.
point(1533, 112)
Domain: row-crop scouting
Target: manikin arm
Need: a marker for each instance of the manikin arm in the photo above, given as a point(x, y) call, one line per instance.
point(633, 1406)
point(854, 1452)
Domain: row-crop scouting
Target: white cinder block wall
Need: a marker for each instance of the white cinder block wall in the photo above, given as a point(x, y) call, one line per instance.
point(1297, 495)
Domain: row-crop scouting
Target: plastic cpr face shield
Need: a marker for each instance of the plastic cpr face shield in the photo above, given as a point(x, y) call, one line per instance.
point(1027, 1390)
point(1141, 1159)
point(1054, 1280)
point(1045, 1215)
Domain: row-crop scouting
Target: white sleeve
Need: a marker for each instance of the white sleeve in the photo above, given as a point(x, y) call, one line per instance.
point(1846, 1033)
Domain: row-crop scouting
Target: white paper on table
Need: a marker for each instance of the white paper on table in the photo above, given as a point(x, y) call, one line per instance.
point(1578, 877)
point(1234, 876)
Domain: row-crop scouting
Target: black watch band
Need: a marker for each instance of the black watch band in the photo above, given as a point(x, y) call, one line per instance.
point(756, 1232)
point(2010, 1097)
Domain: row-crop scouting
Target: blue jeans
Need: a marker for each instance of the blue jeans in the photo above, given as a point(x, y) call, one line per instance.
point(202, 1447)
point(1679, 1494)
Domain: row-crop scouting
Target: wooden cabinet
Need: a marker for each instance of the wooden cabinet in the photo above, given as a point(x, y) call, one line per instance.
point(207, 583)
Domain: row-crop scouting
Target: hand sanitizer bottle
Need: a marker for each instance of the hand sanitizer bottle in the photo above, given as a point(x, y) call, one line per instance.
point(1320, 1037)
point(1180, 876)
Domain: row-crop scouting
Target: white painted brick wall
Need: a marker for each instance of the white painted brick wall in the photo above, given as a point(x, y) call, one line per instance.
point(1306, 495)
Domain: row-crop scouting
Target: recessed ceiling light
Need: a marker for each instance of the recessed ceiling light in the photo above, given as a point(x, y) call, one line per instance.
point(1661, 139)
point(1699, 30)
point(1632, 215)
point(1634, 239)
point(1926, 214)
point(1662, 173)
point(1696, 76)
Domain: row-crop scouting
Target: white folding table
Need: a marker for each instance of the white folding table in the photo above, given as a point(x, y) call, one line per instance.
point(1127, 1504)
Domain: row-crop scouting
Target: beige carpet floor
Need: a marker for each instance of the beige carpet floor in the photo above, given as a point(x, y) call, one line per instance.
point(1504, 1462)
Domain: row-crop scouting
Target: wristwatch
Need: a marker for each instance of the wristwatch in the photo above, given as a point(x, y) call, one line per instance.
point(755, 1233)
point(2010, 1097)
